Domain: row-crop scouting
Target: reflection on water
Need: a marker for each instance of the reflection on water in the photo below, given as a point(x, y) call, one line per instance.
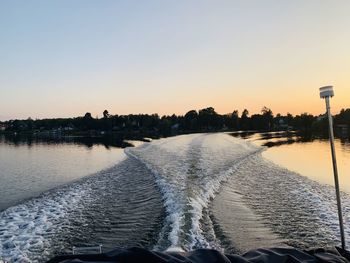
point(32, 165)
point(107, 140)
point(306, 155)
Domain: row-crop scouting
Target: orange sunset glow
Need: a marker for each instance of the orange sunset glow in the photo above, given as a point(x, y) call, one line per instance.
point(171, 58)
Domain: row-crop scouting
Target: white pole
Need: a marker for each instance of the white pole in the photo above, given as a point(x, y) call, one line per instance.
point(326, 93)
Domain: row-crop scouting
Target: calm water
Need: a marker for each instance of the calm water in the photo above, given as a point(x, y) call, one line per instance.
point(191, 191)
point(309, 157)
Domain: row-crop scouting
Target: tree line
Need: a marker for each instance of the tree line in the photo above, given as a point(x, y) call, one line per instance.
point(203, 120)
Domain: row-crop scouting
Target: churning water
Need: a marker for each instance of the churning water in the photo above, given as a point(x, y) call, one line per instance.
point(190, 191)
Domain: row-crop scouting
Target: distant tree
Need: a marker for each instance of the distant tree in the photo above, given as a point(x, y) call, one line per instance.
point(30, 124)
point(257, 122)
point(191, 114)
point(289, 118)
point(244, 122)
point(343, 117)
point(266, 111)
point(319, 126)
point(208, 119)
point(88, 121)
point(268, 118)
point(235, 120)
point(165, 126)
point(105, 114)
point(304, 122)
point(245, 113)
point(191, 120)
point(88, 115)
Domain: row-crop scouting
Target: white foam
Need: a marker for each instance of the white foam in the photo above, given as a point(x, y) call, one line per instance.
point(175, 249)
point(299, 209)
point(27, 230)
point(189, 170)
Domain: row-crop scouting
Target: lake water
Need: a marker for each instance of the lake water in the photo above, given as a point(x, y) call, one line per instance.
point(309, 157)
point(28, 168)
point(190, 191)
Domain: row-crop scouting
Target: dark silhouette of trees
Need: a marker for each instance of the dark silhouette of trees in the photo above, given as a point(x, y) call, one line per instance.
point(268, 118)
point(88, 116)
point(191, 121)
point(235, 120)
point(88, 121)
point(304, 122)
point(208, 119)
point(343, 117)
point(231, 120)
point(244, 123)
point(152, 125)
point(105, 114)
point(257, 122)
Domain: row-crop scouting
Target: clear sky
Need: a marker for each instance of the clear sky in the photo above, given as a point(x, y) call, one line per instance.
point(64, 58)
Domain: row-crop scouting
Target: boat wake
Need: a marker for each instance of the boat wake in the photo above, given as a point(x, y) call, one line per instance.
point(189, 171)
point(120, 206)
point(302, 211)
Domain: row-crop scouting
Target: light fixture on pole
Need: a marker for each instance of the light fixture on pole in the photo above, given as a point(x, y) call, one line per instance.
point(325, 93)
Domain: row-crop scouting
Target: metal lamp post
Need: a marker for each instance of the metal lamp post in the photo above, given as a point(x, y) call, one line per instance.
point(325, 93)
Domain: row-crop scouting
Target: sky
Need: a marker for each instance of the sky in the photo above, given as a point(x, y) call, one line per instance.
point(65, 58)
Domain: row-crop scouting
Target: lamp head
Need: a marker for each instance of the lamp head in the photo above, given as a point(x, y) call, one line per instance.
point(326, 91)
